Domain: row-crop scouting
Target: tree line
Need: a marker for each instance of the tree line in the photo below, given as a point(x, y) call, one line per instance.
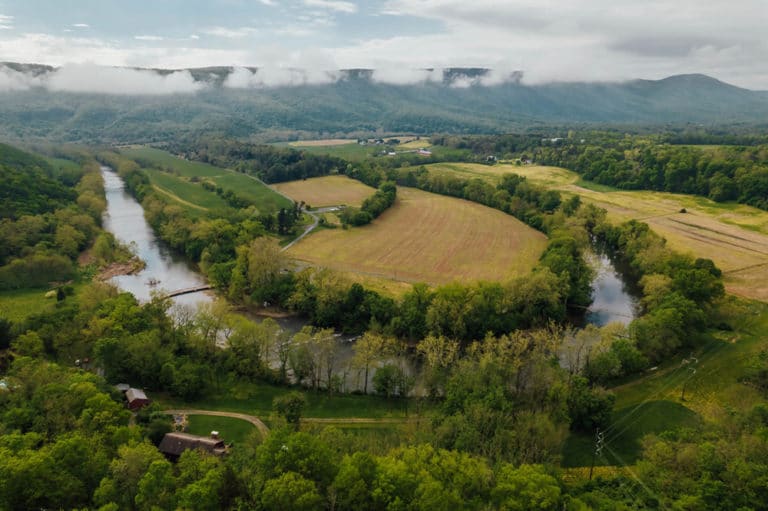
point(48, 218)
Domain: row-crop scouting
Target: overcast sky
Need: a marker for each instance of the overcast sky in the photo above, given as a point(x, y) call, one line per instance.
point(549, 40)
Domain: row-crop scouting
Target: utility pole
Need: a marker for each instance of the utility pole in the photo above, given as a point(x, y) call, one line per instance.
point(599, 437)
point(692, 370)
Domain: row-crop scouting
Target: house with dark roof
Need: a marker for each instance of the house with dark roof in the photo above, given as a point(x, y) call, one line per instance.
point(136, 398)
point(174, 444)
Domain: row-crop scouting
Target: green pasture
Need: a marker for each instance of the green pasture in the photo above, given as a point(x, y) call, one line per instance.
point(184, 171)
point(653, 403)
point(256, 399)
point(230, 429)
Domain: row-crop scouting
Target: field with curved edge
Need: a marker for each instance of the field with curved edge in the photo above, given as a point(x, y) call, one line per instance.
point(326, 191)
point(429, 238)
point(734, 236)
point(180, 179)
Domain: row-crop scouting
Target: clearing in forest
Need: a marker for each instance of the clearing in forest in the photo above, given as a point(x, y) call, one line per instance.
point(734, 236)
point(430, 238)
point(326, 191)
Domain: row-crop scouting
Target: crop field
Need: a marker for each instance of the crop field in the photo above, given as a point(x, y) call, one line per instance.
point(322, 142)
point(179, 183)
point(429, 238)
point(734, 236)
point(415, 144)
point(326, 191)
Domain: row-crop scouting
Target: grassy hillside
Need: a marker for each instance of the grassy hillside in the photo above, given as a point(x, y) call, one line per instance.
point(654, 402)
point(182, 178)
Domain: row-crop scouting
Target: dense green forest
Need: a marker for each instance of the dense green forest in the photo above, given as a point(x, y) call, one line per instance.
point(485, 432)
point(49, 216)
point(357, 105)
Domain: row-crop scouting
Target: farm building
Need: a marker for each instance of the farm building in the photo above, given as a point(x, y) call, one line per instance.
point(174, 444)
point(136, 398)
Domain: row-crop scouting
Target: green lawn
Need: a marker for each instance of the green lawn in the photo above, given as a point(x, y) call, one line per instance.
point(651, 403)
point(352, 152)
point(18, 304)
point(160, 158)
point(230, 430)
point(622, 439)
point(190, 195)
point(266, 199)
point(245, 186)
point(256, 399)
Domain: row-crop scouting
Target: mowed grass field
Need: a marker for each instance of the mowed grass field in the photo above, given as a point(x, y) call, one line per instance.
point(230, 430)
point(429, 238)
point(734, 236)
point(326, 191)
point(653, 402)
point(180, 184)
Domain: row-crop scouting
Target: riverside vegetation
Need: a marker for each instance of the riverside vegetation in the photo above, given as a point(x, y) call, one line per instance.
point(496, 407)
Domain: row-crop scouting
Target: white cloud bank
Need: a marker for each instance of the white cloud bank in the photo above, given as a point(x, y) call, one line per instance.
point(89, 78)
point(265, 77)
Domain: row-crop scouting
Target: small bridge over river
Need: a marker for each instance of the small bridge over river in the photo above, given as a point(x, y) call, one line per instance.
point(188, 290)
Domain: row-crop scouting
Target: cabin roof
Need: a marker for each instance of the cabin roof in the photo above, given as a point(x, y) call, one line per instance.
point(175, 444)
point(134, 394)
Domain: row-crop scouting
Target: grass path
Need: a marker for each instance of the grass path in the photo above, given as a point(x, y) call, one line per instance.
point(178, 199)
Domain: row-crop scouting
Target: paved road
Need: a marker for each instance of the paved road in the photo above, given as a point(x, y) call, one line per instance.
point(249, 418)
point(313, 213)
point(316, 220)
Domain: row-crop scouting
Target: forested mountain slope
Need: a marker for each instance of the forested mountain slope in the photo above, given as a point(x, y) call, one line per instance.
point(357, 103)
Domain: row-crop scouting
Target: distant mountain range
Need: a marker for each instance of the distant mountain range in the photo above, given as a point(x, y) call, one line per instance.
point(40, 102)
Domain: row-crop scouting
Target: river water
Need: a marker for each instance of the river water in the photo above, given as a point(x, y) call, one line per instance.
point(125, 219)
point(613, 298)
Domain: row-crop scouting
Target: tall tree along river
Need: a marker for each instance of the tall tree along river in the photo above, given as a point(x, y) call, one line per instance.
point(613, 299)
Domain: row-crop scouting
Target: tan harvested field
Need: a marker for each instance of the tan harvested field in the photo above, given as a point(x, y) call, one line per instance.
point(734, 236)
point(326, 191)
point(322, 143)
point(429, 238)
point(414, 144)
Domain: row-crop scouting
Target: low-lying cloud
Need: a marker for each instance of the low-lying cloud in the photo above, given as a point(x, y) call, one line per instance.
point(89, 78)
point(244, 78)
point(94, 79)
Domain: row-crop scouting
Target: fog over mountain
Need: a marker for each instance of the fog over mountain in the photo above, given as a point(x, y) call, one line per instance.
point(86, 102)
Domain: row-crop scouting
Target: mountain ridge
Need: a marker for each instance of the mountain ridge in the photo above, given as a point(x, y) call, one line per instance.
point(462, 102)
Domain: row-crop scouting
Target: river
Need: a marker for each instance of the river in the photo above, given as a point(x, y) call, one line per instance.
point(614, 299)
point(125, 219)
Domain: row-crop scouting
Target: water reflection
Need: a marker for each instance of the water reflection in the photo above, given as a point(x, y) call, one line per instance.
point(125, 219)
point(613, 300)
